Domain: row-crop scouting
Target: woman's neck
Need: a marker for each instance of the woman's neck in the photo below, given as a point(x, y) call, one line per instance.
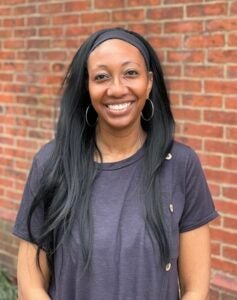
point(119, 145)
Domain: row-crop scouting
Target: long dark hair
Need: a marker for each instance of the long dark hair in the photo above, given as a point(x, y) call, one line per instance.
point(69, 174)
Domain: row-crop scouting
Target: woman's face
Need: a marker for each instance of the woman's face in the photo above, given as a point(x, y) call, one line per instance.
point(119, 84)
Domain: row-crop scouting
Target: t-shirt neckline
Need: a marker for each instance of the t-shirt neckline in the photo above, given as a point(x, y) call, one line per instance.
point(122, 163)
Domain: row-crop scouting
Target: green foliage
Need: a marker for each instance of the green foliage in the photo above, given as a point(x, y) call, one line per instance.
point(8, 290)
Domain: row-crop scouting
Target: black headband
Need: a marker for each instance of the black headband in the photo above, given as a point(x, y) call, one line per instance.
point(125, 36)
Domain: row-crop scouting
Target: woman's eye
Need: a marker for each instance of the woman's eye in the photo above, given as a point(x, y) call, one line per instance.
point(131, 73)
point(101, 77)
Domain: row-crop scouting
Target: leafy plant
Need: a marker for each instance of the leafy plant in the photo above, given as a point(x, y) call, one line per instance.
point(8, 290)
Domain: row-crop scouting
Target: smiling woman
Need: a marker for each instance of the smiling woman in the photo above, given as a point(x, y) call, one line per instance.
point(113, 207)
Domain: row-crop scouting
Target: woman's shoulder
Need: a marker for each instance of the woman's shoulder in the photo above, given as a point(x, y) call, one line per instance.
point(183, 154)
point(44, 154)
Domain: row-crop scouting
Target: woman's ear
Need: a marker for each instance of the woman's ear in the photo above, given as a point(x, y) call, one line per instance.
point(150, 83)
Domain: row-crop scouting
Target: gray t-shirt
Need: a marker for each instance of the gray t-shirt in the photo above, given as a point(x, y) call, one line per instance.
point(124, 265)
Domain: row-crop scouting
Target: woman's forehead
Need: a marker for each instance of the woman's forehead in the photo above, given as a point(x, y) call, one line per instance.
point(113, 49)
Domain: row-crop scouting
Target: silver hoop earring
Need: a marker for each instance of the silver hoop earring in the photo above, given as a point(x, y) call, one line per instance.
point(87, 121)
point(151, 108)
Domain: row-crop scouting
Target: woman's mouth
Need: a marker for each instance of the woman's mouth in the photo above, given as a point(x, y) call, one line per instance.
point(118, 106)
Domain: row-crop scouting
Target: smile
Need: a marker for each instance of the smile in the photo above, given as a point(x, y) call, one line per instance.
point(119, 106)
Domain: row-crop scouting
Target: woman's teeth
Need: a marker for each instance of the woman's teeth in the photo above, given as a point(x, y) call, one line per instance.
point(119, 106)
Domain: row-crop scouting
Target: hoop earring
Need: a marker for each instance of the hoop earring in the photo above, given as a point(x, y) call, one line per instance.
point(86, 117)
point(151, 108)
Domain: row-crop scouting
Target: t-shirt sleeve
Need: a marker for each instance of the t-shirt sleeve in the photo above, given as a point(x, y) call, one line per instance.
point(199, 207)
point(32, 185)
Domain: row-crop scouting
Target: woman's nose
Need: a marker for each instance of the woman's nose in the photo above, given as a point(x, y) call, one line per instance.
point(117, 88)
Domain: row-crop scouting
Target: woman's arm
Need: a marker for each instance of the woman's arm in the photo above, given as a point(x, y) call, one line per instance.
point(194, 264)
point(32, 283)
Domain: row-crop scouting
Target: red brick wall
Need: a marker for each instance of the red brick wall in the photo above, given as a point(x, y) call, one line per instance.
point(197, 41)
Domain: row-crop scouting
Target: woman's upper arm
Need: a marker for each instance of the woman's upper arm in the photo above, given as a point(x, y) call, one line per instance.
point(194, 262)
point(30, 278)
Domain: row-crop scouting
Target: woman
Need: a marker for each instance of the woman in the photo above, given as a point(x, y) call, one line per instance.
point(113, 208)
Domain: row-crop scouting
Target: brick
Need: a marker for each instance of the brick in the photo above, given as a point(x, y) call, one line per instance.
point(128, 15)
point(232, 71)
point(222, 117)
point(51, 8)
point(95, 17)
point(77, 6)
point(55, 55)
point(224, 56)
point(15, 22)
point(26, 100)
point(65, 19)
point(38, 44)
point(208, 160)
point(232, 39)
point(202, 71)
point(16, 110)
point(205, 41)
point(215, 248)
point(144, 28)
point(230, 192)
point(38, 134)
point(5, 11)
point(215, 9)
point(225, 282)
point(230, 163)
point(172, 70)
point(6, 182)
point(109, 4)
point(228, 297)
point(227, 207)
point(221, 25)
point(14, 44)
point(26, 122)
point(203, 130)
point(28, 55)
point(230, 222)
point(186, 114)
point(5, 33)
point(6, 140)
point(77, 31)
point(221, 176)
point(26, 144)
point(7, 55)
point(223, 236)
point(25, 10)
point(167, 2)
point(29, 32)
point(183, 27)
point(12, 66)
point(230, 252)
point(214, 295)
point(233, 8)
point(6, 77)
point(221, 147)
point(185, 85)
point(38, 67)
point(221, 87)
point(202, 100)
point(185, 56)
point(21, 164)
point(16, 131)
point(231, 133)
point(38, 21)
point(165, 13)
point(142, 2)
point(165, 42)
